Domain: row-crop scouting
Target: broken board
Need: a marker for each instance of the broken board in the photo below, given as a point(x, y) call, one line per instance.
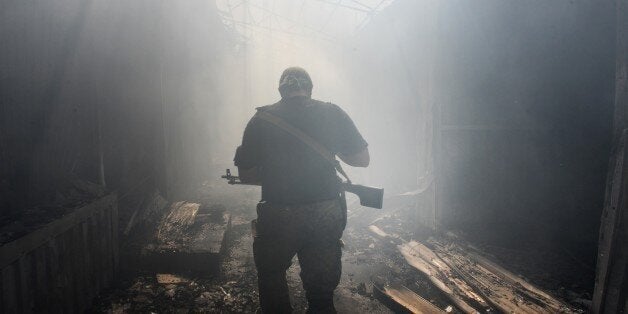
point(437, 272)
point(500, 288)
point(472, 282)
point(189, 238)
point(403, 300)
point(443, 277)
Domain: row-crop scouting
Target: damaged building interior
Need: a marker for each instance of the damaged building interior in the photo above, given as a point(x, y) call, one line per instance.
point(497, 129)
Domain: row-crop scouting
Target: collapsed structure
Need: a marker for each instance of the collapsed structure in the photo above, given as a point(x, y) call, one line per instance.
point(497, 130)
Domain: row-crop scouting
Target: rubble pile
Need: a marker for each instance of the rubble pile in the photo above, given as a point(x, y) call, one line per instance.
point(233, 290)
point(377, 277)
point(146, 294)
point(471, 282)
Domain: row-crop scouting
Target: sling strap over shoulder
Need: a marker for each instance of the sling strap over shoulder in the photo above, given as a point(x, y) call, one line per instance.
point(369, 196)
point(303, 137)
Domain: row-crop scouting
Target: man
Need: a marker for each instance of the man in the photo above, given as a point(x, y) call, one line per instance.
point(301, 211)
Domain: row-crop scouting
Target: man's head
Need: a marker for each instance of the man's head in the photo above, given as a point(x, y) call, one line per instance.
point(295, 81)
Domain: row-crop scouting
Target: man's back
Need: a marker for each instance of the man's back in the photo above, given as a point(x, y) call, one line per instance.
point(303, 211)
point(291, 172)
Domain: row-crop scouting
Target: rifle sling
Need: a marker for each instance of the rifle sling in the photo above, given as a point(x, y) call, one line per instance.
point(306, 139)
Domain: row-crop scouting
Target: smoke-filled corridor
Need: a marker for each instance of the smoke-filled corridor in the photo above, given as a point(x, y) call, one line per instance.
point(496, 130)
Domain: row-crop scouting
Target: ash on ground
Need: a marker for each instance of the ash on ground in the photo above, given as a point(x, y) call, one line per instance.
point(234, 288)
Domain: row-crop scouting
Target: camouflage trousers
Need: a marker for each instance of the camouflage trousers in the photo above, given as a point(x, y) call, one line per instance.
point(310, 231)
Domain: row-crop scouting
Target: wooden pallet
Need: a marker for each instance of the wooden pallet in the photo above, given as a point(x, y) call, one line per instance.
point(472, 282)
point(62, 266)
point(189, 238)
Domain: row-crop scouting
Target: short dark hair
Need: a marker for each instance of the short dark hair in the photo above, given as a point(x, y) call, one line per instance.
point(295, 78)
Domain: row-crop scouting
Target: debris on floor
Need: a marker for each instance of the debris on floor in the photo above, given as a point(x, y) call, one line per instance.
point(402, 299)
point(468, 280)
point(171, 279)
point(233, 289)
point(385, 267)
point(189, 237)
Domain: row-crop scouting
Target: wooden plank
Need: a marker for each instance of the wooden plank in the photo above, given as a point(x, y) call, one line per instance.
point(454, 289)
point(378, 231)
point(152, 205)
point(189, 238)
point(105, 237)
point(104, 257)
point(72, 272)
point(66, 272)
point(27, 282)
point(498, 296)
point(10, 295)
point(108, 246)
point(1, 292)
point(87, 260)
point(79, 269)
point(171, 230)
point(52, 264)
point(212, 235)
point(114, 237)
point(620, 117)
point(405, 300)
point(90, 263)
point(93, 236)
point(549, 300)
point(503, 294)
point(41, 287)
point(12, 251)
point(171, 279)
point(97, 251)
point(617, 288)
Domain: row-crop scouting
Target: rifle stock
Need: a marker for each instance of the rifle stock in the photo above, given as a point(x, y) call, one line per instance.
point(369, 196)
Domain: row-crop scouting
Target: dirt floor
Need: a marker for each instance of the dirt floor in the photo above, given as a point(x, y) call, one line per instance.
point(367, 260)
point(234, 289)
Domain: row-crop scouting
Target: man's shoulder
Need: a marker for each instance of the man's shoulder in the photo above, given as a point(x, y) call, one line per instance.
point(270, 107)
point(322, 104)
point(326, 106)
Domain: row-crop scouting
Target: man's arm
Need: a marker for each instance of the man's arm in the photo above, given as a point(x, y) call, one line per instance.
point(249, 175)
point(350, 145)
point(359, 159)
point(247, 155)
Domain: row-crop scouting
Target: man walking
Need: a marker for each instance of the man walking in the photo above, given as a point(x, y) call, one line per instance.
point(301, 212)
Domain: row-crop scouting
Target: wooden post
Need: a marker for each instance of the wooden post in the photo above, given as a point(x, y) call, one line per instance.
point(620, 120)
point(101, 153)
point(611, 282)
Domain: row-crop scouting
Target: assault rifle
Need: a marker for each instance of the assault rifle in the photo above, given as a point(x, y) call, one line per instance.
point(369, 196)
point(231, 179)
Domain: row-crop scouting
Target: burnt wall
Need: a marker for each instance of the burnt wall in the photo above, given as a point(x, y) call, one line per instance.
point(508, 104)
point(82, 79)
point(526, 111)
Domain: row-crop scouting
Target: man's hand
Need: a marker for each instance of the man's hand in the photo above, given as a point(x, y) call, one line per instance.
point(249, 176)
point(360, 159)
